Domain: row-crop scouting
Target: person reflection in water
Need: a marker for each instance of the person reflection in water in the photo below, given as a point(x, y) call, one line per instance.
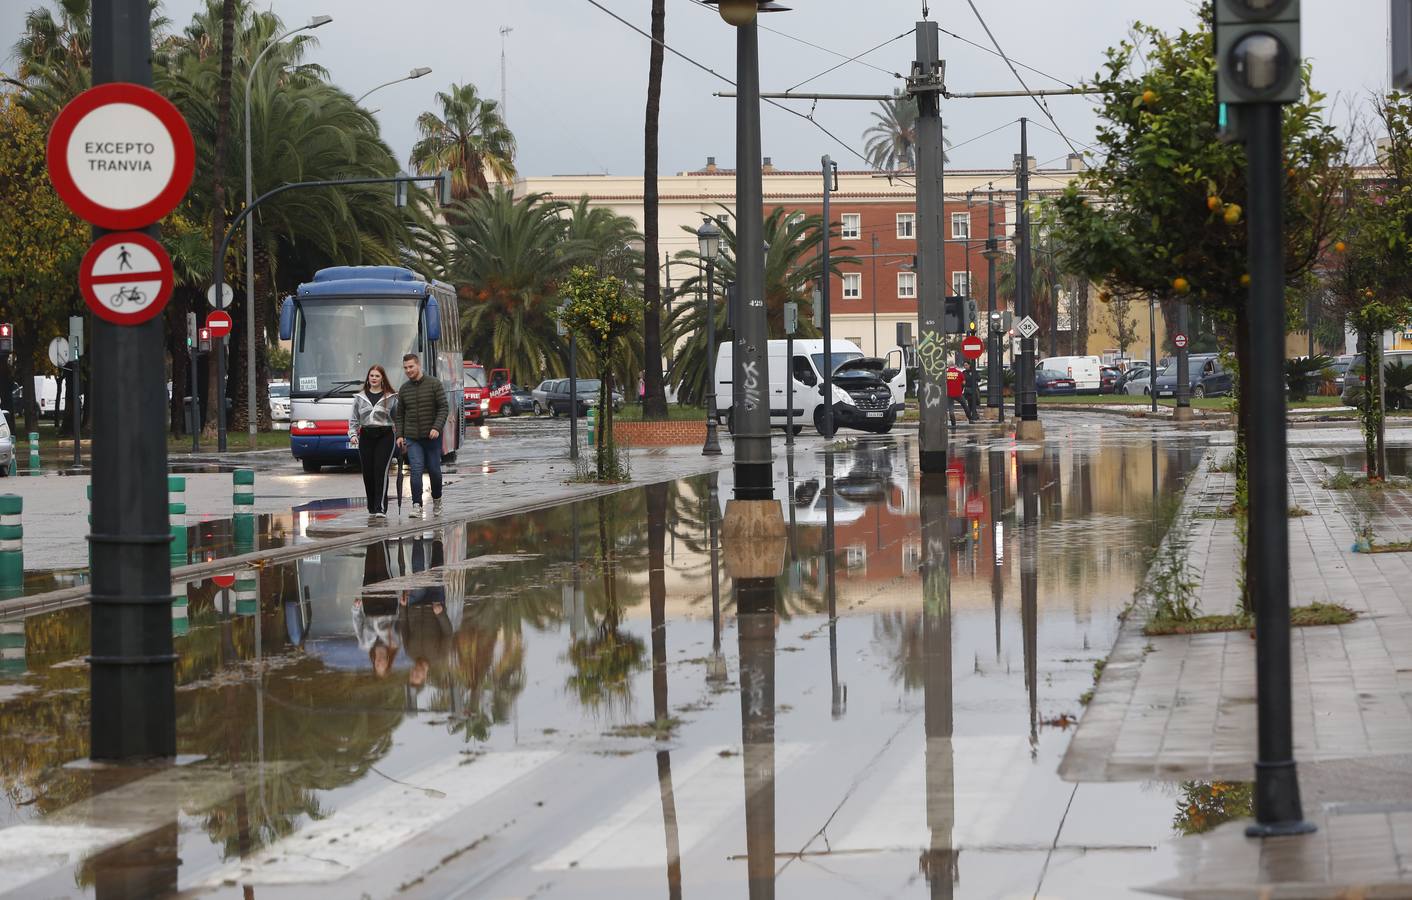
point(423, 625)
point(376, 630)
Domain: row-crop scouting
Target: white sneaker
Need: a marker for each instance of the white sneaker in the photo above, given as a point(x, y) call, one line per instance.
point(436, 507)
point(416, 510)
point(379, 515)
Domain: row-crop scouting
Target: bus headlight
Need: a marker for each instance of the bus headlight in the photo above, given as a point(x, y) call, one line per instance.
point(304, 425)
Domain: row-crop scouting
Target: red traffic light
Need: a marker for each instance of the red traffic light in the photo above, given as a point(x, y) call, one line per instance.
point(6, 330)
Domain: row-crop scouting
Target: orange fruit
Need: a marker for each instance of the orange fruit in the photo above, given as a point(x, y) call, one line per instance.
point(1368, 293)
point(1213, 202)
point(1232, 213)
point(1245, 280)
point(1149, 96)
point(1340, 246)
point(1180, 285)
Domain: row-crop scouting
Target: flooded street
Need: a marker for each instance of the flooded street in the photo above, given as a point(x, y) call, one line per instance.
point(587, 701)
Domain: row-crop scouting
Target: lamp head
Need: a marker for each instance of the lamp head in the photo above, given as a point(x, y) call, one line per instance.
point(418, 72)
point(318, 21)
point(708, 239)
point(743, 12)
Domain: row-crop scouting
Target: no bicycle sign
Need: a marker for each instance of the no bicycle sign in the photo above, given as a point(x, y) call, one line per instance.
point(120, 156)
point(126, 277)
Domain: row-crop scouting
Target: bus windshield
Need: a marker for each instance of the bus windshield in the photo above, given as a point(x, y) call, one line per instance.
point(339, 339)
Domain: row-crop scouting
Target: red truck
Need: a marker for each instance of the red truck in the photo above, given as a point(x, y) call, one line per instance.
point(485, 398)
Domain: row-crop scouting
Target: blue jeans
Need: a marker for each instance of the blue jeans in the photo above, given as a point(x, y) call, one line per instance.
point(425, 456)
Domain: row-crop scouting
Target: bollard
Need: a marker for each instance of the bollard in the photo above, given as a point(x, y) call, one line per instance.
point(243, 500)
point(12, 647)
point(592, 421)
point(176, 517)
point(34, 466)
point(180, 623)
point(12, 557)
point(247, 592)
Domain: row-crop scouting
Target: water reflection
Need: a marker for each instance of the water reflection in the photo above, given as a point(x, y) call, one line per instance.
point(940, 863)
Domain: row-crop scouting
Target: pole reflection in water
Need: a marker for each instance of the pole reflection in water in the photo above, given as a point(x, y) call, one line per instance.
point(1029, 583)
point(142, 868)
point(755, 627)
point(657, 600)
point(939, 862)
point(996, 464)
point(716, 666)
point(839, 692)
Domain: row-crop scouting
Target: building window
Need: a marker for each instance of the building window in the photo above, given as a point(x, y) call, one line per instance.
point(852, 226)
point(855, 341)
point(961, 226)
point(961, 284)
point(856, 556)
point(853, 286)
point(911, 557)
point(907, 285)
point(906, 226)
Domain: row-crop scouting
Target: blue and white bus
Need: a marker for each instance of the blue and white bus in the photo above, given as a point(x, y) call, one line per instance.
point(347, 319)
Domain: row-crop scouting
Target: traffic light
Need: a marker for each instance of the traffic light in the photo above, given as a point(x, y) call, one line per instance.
point(953, 319)
point(191, 329)
point(1257, 52)
point(7, 338)
point(973, 316)
point(204, 340)
point(791, 317)
point(444, 187)
point(1001, 322)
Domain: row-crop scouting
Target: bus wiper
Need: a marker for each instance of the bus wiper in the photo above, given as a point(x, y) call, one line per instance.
point(336, 386)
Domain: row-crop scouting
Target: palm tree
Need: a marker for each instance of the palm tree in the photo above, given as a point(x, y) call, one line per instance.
point(55, 56)
point(470, 137)
point(605, 240)
point(655, 399)
point(506, 256)
point(792, 265)
point(892, 139)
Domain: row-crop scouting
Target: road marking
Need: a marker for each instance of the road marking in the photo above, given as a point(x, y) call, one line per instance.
point(31, 852)
point(369, 828)
point(707, 790)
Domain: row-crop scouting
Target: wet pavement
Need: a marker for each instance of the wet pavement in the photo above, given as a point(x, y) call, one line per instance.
point(583, 701)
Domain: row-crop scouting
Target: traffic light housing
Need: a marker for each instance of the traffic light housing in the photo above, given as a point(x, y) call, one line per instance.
point(7, 338)
point(191, 331)
point(954, 313)
point(1257, 51)
point(204, 340)
point(791, 317)
point(973, 316)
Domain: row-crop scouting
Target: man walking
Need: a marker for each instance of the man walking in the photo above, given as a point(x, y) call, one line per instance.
point(422, 411)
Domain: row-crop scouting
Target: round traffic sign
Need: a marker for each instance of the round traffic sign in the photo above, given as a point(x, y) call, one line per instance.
point(219, 323)
point(222, 300)
point(126, 277)
point(972, 347)
point(120, 156)
point(1179, 340)
point(224, 581)
point(59, 352)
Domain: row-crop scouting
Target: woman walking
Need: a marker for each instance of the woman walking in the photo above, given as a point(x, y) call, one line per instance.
point(370, 430)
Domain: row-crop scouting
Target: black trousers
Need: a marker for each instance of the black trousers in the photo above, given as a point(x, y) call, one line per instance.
point(375, 447)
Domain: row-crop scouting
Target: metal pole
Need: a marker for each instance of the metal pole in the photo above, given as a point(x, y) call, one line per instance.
point(789, 390)
point(754, 465)
point(1277, 806)
point(1152, 350)
point(874, 263)
point(131, 679)
point(1183, 359)
point(220, 347)
point(1024, 382)
point(712, 446)
point(931, 260)
point(995, 377)
point(77, 408)
point(573, 398)
point(826, 283)
point(195, 398)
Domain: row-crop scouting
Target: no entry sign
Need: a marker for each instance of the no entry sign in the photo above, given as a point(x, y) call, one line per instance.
point(120, 156)
point(219, 323)
point(972, 347)
point(1179, 340)
point(224, 581)
point(126, 277)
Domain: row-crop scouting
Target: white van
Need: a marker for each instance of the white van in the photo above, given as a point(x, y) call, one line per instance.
point(1087, 371)
point(868, 393)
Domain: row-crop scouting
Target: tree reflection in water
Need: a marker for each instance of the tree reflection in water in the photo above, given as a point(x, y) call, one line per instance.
point(605, 661)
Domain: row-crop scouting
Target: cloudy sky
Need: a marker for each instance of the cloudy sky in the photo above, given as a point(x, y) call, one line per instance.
point(577, 78)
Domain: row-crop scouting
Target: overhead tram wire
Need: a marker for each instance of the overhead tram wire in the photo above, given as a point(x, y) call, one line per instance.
point(801, 40)
point(1038, 101)
point(835, 68)
point(992, 52)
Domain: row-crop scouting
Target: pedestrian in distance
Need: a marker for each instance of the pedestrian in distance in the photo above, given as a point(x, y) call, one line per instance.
point(971, 393)
point(421, 415)
point(370, 429)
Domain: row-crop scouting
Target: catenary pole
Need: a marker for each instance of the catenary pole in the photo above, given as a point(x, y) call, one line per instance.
point(131, 673)
point(926, 85)
point(826, 285)
point(995, 380)
point(1025, 395)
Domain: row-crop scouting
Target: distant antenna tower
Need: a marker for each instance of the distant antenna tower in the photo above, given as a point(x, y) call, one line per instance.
point(504, 107)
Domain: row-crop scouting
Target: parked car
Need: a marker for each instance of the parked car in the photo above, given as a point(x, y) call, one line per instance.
point(1109, 376)
point(557, 396)
point(1340, 368)
point(540, 396)
point(1208, 377)
point(279, 401)
point(1049, 383)
point(1136, 381)
point(1356, 379)
point(7, 445)
point(1086, 371)
point(521, 400)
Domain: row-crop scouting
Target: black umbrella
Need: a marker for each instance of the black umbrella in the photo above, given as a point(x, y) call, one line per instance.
point(398, 453)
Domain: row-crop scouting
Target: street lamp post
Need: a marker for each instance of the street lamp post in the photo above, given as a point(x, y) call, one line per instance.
point(995, 379)
point(218, 275)
point(418, 72)
point(708, 242)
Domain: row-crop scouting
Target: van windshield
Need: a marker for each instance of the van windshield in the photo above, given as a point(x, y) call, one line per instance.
point(838, 357)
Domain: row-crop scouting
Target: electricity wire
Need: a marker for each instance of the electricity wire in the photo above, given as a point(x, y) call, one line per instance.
point(850, 59)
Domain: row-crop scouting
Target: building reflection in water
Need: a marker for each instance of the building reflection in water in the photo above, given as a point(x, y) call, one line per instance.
point(940, 860)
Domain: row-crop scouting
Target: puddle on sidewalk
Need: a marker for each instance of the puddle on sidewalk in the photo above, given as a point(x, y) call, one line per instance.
point(606, 699)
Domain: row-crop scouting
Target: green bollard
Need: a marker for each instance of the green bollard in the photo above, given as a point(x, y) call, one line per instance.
point(181, 625)
point(243, 521)
point(34, 465)
point(12, 648)
point(176, 517)
point(12, 557)
point(592, 421)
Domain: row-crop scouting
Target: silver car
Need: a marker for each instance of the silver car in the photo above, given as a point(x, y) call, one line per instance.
point(7, 446)
point(279, 401)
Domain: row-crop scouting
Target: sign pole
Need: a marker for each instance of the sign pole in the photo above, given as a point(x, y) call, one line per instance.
point(131, 677)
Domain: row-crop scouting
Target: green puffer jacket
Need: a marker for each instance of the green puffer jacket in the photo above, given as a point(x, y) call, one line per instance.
point(421, 406)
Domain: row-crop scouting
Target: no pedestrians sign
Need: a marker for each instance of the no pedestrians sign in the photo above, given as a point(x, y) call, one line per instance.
point(120, 156)
point(126, 277)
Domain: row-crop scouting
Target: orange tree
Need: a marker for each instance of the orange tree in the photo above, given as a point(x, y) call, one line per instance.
point(600, 311)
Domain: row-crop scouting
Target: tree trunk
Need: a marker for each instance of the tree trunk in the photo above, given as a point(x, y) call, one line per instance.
point(24, 367)
point(1242, 470)
point(263, 287)
point(655, 402)
point(218, 190)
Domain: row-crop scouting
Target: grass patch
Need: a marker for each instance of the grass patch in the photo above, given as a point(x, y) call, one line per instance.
point(1298, 512)
point(658, 729)
point(1087, 696)
point(1347, 481)
point(676, 412)
point(1225, 512)
point(1299, 617)
point(1393, 547)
